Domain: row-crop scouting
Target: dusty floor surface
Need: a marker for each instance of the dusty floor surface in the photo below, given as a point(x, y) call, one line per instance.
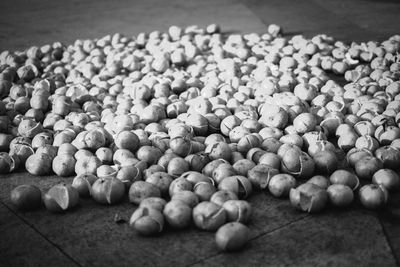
point(88, 235)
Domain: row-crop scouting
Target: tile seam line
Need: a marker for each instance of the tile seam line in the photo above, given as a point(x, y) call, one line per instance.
point(280, 227)
point(338, 16)
point(42, 235)
point(254, 238)
point(389, 242)
point(343, 18)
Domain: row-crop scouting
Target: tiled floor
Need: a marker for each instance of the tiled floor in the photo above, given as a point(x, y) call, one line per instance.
point(281, 236)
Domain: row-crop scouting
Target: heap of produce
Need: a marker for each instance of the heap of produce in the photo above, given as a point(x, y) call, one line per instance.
point(191, 122)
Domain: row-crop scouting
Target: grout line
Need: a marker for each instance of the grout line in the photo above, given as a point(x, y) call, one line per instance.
point(246, 6)
point(254, 238)
point(42, 235)
point(202, 260)
point(280, 227)
point(385, 233)
point(364, 31)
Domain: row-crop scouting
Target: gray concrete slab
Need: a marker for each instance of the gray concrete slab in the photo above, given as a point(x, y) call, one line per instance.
point(24, 23)
point(353, 238)
point(21, 245)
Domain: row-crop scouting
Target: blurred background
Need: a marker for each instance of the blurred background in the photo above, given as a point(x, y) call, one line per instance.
point(32, 22)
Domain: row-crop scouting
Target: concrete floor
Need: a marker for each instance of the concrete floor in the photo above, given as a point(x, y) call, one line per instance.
point(281, 236)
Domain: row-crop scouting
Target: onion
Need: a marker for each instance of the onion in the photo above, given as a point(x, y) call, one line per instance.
point(232, 236)
point(308, 197)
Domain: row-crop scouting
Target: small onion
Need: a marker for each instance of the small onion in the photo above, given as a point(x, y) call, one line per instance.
point(221, 196)
point(162, 180)
point(260, 175)
point(387, 178)
point(140, 190)
point(108, 191)
point(340, 195)
point(188, 197)
point(373, 196)
point(308, 197)
point(204, 190)
point(237, 210)
point(83, 183)
point(325, 161)
point(297, 163)
point(64, 165)
point(147, 221)
point(367, 166)
point(208, 216)
point(345, 177)
point(280, 184)
point(232, 236)
point(389, 156)
point(239, 185)
point(26, 197)
point(157, 203)
point(242, 166)
point(38, 164)
point(60, 198)
point(178, 214)
point(319, 180)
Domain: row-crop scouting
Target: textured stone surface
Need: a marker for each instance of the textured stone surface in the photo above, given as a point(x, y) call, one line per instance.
point(47, 21)
point(279, 235)
point(355, 20)
point(90, 230)
point(353, 238)
point(390, 219)
point(21, 245)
